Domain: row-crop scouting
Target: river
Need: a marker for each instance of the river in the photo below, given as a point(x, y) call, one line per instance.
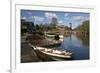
point(79, 46)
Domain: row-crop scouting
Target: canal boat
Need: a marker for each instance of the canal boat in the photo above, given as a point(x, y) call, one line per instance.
point(52, 36)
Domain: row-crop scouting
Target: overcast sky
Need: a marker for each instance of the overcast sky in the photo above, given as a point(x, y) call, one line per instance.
point(64, 18)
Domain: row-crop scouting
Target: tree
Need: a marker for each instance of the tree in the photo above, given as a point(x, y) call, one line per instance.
point(54, 22)
point(37, 27)
point(70, 26)
point(26, 26)
point(84, 27)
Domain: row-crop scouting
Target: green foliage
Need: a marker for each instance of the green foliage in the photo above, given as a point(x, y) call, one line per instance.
point(54, 22)
point(26, 26)
point(37, 27)
point(84, 36)
point(84, 27)
point(67, 28)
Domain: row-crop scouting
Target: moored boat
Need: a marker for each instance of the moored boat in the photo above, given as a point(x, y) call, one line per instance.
point(52, 36)
point(54, 53)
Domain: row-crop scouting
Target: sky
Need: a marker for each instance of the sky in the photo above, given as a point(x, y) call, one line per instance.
point(63, 18)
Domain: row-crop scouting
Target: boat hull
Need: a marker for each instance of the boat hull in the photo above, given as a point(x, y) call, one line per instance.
point(45, 56)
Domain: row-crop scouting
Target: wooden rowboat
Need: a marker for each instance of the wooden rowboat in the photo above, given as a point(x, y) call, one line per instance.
point(54, 53)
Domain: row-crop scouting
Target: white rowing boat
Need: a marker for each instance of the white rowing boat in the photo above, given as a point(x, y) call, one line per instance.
point(54, 52)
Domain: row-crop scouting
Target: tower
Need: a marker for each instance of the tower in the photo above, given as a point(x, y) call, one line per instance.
point(70, 26)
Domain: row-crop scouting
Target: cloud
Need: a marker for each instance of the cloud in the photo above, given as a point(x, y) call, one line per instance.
point(60, 22)
point(66, 14)
point(24, 18)
point(29, 13)
point(38, 18)
point(50, 15)
point(80, 18)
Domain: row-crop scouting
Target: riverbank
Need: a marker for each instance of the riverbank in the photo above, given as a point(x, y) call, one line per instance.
point(26, 54)
point(29, 55)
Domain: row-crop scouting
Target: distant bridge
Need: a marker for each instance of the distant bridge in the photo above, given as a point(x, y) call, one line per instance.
point(76, 32)
point(63, 32)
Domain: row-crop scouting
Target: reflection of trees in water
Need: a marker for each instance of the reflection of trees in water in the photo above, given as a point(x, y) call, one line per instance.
point(84, 38)
point(68, 35)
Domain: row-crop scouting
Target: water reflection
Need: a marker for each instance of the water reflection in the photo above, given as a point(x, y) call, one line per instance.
point(84, 39)
point(78, 44)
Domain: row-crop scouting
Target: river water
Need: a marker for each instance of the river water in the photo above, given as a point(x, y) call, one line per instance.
point(78, 46)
